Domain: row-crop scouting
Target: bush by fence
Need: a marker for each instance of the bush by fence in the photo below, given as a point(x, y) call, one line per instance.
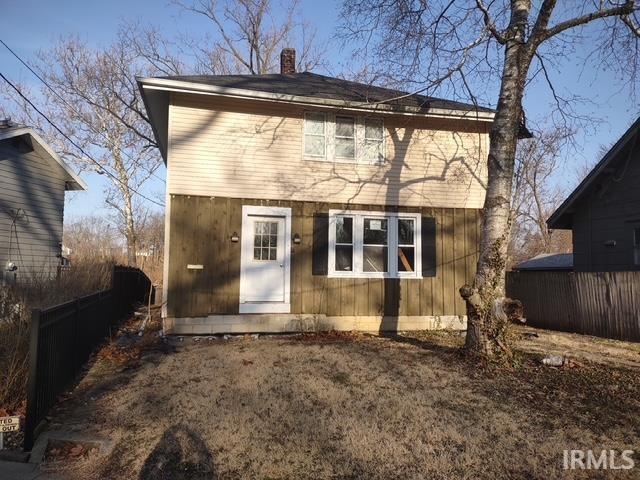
point(604, 304)
point(63, 337)
point(16, 302)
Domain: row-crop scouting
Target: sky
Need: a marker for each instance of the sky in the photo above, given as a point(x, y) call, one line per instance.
point(29, 25)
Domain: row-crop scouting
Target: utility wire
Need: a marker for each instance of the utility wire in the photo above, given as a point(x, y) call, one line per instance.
point(37, 75)
point(78, 146)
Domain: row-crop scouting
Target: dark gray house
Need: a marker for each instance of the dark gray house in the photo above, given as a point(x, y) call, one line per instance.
point(604, 210)
point(33, 181)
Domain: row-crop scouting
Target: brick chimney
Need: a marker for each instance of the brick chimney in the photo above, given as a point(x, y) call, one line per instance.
point(288, 61)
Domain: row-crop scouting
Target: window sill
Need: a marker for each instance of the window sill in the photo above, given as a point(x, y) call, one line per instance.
point(344, 161)
point(413, 276)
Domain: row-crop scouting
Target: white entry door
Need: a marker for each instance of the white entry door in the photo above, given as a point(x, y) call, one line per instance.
point(265, 261)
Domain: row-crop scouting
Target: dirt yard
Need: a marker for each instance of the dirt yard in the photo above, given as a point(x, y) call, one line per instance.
point(352, 406)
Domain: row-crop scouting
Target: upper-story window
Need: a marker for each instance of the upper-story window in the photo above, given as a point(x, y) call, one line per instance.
point(373, 140)
point(315, 135)
point(343, 138)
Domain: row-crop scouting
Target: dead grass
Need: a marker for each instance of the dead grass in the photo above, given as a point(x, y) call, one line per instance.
point(347, 406)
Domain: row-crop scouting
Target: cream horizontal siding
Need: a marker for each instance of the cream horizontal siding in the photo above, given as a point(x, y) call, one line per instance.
point(246, 149)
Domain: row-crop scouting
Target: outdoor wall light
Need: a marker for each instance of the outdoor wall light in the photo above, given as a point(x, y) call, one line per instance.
point(297, 239)
point(234, 237)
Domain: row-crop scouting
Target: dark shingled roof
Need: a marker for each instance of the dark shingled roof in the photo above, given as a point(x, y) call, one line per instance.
point(547, 261)
point(309, 84)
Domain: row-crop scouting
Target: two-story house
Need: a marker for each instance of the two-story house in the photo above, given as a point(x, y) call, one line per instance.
point(299, 201)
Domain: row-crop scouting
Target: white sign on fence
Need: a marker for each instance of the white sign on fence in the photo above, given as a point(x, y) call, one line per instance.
point(9, 424)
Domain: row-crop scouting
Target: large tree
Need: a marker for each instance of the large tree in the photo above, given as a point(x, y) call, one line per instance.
point(535, 196)
point(461, 47)
point(94, 99)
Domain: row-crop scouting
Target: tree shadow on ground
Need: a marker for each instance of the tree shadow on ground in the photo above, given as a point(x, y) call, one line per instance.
point(180, 454)
point(428, 343)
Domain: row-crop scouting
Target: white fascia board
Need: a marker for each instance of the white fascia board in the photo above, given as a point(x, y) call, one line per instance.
point(192, 87)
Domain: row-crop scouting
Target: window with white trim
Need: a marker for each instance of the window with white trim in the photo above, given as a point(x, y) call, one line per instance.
point(343, 138)
point(315, 135)
point(374, 244)
point(373, 148)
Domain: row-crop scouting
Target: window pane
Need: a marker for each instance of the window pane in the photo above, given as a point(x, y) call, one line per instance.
point(405, 231)
point(273, 253)
point(374, 259)
point(345, 147)
point(314, 123)
point(373, 150)
point(344, 127)
point(406, 256)
point(256, 240)
point(273, 240)
point(256, 254)
point(344, 258)
point(314, 145)
point(274, 228)
point(344, 230)
point(375, 231)
point(373, 128)
point(265, 240)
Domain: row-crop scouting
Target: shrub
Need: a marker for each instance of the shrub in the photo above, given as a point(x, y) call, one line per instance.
point(16, 302)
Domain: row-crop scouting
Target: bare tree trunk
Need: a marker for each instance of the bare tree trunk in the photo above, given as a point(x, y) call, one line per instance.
point(485, 312)
point(130, 230)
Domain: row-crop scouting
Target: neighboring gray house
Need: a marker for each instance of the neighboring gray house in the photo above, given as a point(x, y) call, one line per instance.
point(33, 180)
point(604, 210)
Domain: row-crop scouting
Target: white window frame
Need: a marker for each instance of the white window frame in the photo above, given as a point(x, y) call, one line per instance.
point(330, 140)
point(354, 122)
point(358, 217)
point(378, 161)
point(325, 155)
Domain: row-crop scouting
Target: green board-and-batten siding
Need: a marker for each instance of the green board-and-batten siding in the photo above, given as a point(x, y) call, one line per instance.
point(201, 230)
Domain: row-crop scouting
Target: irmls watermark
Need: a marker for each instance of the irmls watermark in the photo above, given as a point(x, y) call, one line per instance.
point(598, 459)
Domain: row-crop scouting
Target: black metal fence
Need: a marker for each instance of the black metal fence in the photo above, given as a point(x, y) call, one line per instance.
point(63, 337)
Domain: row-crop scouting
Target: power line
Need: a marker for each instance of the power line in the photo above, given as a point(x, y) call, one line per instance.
point(37, 75)
point(78, 146)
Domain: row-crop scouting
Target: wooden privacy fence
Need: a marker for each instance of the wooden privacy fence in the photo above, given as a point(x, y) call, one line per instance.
point(605, 304)
point(63, 337)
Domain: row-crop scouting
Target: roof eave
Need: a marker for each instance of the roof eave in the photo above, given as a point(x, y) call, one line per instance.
point(73, 181)
point(193, 87)
point(162, 146)
point(563, 213)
